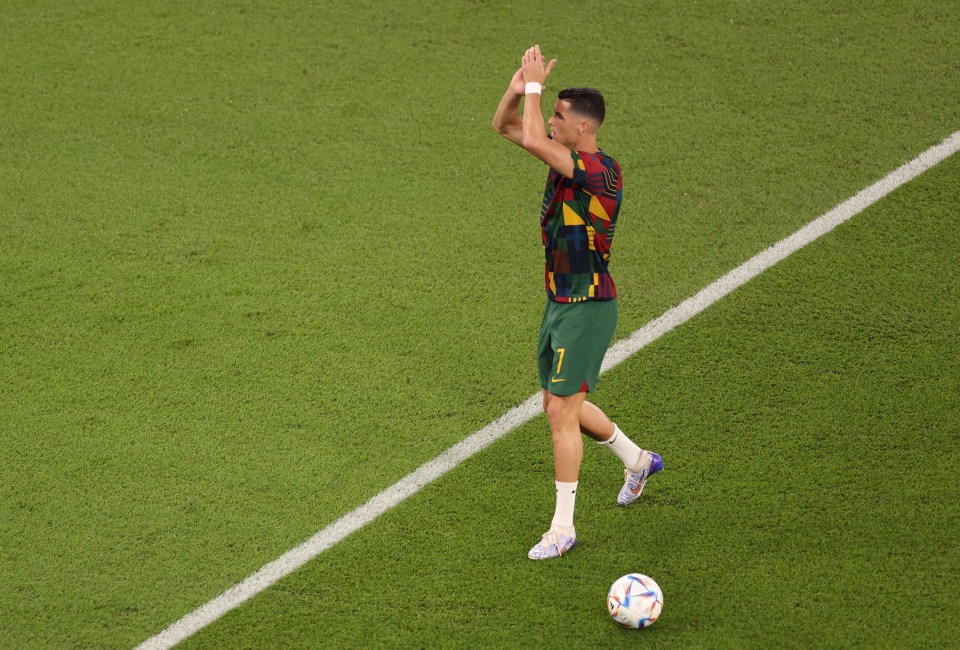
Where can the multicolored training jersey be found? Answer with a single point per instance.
(577, 220)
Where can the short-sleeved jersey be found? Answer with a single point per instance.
(577, 220)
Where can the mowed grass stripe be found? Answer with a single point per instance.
(289, 562)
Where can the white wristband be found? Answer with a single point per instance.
(533, 87)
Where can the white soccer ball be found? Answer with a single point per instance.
(635, 600)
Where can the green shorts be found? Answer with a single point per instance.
(574, 336)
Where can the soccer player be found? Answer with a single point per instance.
(577, 219)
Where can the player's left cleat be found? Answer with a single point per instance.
(634, 481)
(553, 544)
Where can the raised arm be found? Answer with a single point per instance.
(506, 121)
(535, 138)
(530, 131)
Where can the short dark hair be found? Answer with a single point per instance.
(585, 101)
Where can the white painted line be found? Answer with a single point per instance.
(430, 471)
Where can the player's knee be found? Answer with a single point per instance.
(559, 412)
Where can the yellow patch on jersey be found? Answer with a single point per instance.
(597, 208)
(571, 218)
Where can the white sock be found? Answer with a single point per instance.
(563, 515)
(625, 449)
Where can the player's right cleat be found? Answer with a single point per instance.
(553, 544)
(634, 481)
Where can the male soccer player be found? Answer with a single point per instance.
(577, 219)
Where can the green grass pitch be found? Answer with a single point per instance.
(260, 260)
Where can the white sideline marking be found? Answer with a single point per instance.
(430, 471)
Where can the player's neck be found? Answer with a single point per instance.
(587, 144)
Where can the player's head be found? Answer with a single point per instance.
(587, 102)
(579, 113)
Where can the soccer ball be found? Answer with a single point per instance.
(635, 600)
